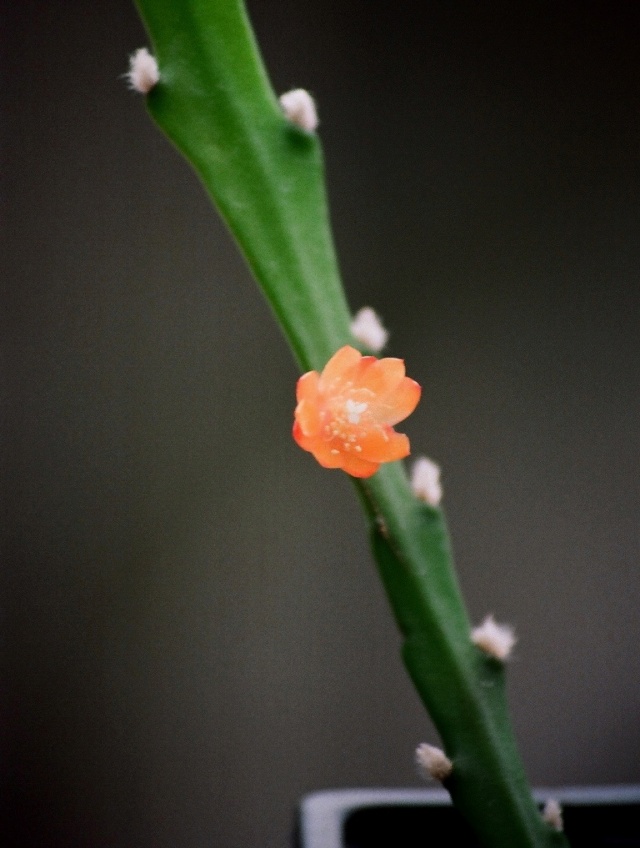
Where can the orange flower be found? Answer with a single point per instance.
(345, 415)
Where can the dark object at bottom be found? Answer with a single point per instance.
(594, 817)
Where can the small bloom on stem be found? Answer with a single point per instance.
(143, 71)
(368, 330)
(345, 415)
(494, 639)
(433, 763)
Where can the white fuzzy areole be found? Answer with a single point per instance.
(300, 108)
(494, 639)
(425, 481)
(143, 71)
(552, 814)
(433, 763)
(367, 328)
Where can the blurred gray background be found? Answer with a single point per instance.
(193, 631)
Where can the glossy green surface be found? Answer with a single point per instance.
(266, 177)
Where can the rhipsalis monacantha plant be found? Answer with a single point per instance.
(260, 160)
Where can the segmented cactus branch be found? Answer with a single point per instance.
(264, 173)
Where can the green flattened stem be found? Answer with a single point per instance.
(214, 101)
(264, 174)
(462, 688)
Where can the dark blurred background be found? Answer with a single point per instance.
(193, 631)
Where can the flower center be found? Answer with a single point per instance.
(354, 410)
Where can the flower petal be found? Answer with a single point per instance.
(354, 465)
(384, 375)
(309, 417)
(360, 375)
(338, 369)
(300, 437)
(399, 403)
(307, 386)
(327, 456)
(383, 444)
